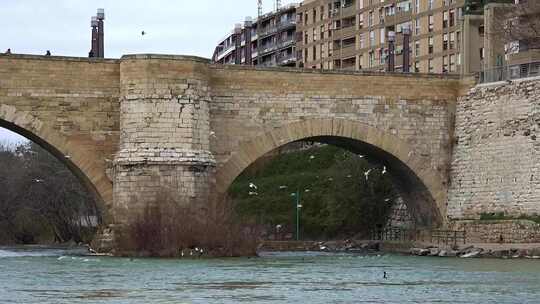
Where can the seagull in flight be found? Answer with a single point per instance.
(252, 186)
(143, 33)
(366, 174)
(384, 170)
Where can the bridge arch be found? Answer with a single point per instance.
(85, 164)
(420, 185)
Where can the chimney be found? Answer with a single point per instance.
(94, 42)
(406, 50)
(391, 51)
(101, 33)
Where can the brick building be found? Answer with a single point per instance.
(355, 34)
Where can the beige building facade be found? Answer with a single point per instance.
(354, 34)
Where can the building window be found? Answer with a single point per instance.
(417, 48)
(452, 63)
(452, 40)
(371, 59)
(314, 52)
(445, 64)
(371, 38)
(306, 38)
(482, 53)
(362, 43)
(314, 34)
(404, 6)
(322, 32)
(430, 23)
(445, 19)
(445, 42)
(452, 17)
(360, 21)
(370, 18)
(417, 26)
(382, 35)
(430, 4)
(314, 15)
(417, 6)
(306, 19)
(430, 45)
(430, 65)
(417, 67)
(329, 47)
(322, 13)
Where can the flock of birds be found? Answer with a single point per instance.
(253, 189)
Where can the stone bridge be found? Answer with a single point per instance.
(136, 127)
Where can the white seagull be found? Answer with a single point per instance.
(252, 186)
(367, 173)
(384, 170)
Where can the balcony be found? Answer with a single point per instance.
(286, 59)
(268, 48)
(267, 31)
(348, 51)
(348, 11)
(287, 24)
(286, 43)
(225, 51)
(270, 63)
(399, 17)
(345, 31)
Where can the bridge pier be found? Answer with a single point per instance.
(164, 155)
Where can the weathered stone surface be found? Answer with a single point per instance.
(496, 160)
(504, 231)
(147, 124)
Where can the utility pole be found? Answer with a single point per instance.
(298, 207)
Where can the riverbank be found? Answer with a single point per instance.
(476, 250)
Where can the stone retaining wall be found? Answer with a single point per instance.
(496, 160)
(512, 231)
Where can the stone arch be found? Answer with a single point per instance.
(87, 165)
(417, 181)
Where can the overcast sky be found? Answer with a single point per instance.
(172, 26)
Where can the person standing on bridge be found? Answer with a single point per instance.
(48, 53)
(8, 52)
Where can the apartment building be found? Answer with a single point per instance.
(358, 34)
(268, 40)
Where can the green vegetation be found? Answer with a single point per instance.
(41, 201)
(501, 216)
(337, 200)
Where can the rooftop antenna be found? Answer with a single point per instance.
(260, 7)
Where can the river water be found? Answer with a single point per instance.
(57, 276)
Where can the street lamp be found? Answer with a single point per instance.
(298, 207)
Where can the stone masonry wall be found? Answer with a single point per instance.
(164, 149)
(496, 161)
(511, 231)
(70, 106)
